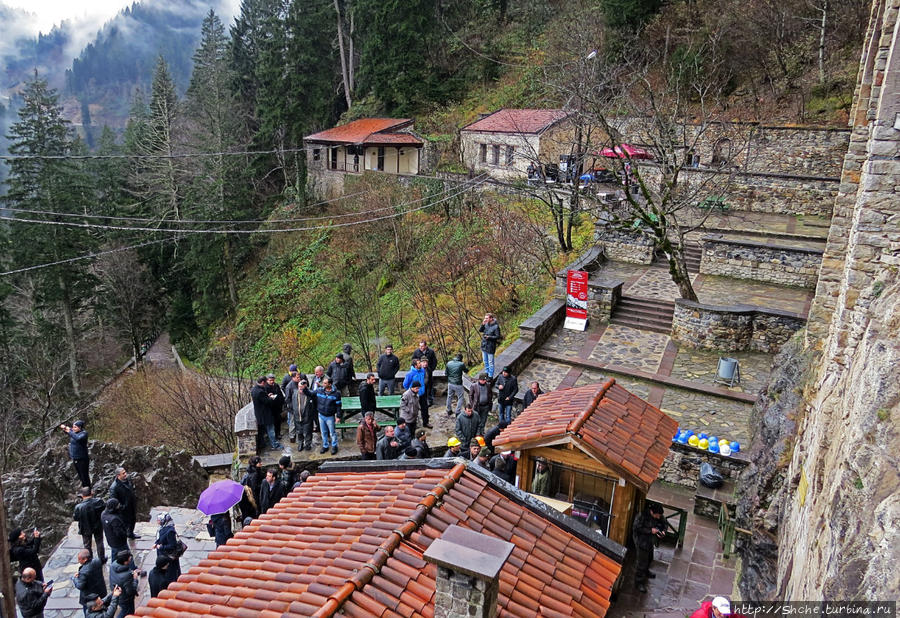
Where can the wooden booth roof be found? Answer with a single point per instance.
(351, 540)
(607, 422)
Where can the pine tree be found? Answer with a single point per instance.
(50, 185)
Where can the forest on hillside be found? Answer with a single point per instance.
(197, 221)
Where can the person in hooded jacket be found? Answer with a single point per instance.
(122, 489)
(252, 480)
(87, 514)
(114, 528)
(160, 575)
(26, 550)
(124, 574)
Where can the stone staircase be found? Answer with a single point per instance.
(644, 314)
(693, 252)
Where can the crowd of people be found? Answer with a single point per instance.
(106, 528)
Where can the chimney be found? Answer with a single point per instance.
(468, 568)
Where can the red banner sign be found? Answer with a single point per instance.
(576, 294)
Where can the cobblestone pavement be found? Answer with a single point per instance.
(63, 564)
(623, 345)
(640, 388)
(753, 222)
(716, 416)
(655, 283)
(547, 373)
(702, 365)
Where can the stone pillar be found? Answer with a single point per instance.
(468, 568)
(245, 431)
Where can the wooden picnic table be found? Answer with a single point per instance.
(389, 404)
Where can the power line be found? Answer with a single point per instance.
(184, 155)
(256, 231)
(85, 257)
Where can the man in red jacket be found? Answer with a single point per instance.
(717, 608)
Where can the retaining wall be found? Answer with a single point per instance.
(733, 328)
(760, 261)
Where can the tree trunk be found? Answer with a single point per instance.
(824, 10)
(678, 271)
(229, 275)
(69, 319)
(345, 74)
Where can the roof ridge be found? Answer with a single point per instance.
(384, 551)
(578, 422)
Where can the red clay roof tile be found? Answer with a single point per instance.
(517, 121)
(249, 575)
(359, 131)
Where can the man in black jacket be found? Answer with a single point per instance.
(32, 594)
(424, 352)
(367, 402)
(467, 424)
(270, 493)
(648, 526)
(490, 337)
(89, 578)
(122, 489)
(387, 447)
(99, 607)
(276, 403)
(262, 410)
(26, 550)
(124, 574)
(504, 466)
(78, 451)
(339, 372)
(507, 387)
(87, 514)
(481, 398)
(387, 367)
(114, 528)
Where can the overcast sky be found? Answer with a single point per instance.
(50, 12)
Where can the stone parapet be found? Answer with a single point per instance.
(733, 328)
(760, 261)
(624, 245)
(603, 296)
(682, 464)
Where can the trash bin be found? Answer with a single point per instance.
(727, 368)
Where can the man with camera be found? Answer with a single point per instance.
(649, 526)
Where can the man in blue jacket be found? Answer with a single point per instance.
(418, 372)
(328, 405)
(78, 451)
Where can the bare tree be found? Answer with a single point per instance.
(345, 27)
(131, 297)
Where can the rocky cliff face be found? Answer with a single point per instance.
(43, 495)
(761, 489)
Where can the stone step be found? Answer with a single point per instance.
(650, 313)
(656, 326)
(636, 301)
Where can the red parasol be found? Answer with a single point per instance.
(625, 151)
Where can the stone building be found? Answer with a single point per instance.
(402, 539)
(369, 144)
(503, 144)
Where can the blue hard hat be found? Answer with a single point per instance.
(735, 447)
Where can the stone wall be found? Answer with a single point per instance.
(682, 464)
(760, 261)
(839, 531)
(759, 192)
(733, 328)
(624, 245)
(757, 148)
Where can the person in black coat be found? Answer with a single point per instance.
(276, 404)
(534, 390)
(167, 543)
(340, 375)
(252, 480)
(123, 573)
(219, 527)
(89, 578)
(114, 528)
(270, 493)
(122, 489)
(26, 550)
(160, 576)
(504, 466)
(78, 451)
(32, 594)
(387, 367)
(367, 402)
(263, 414)
(87, 514)
(507, 387)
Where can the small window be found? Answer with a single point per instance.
(334, 152)
(496, 157)
(317, 154)
(510, 154)
(380, 166)
(484, 153)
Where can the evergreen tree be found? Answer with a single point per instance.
(52, 186)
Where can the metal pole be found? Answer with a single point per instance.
(8, 602)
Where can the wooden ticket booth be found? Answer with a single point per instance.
(603, 446)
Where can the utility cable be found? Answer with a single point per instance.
(85, 257)
(256, 231)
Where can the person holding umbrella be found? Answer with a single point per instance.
(216, 501)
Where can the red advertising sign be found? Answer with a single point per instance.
(576, 294)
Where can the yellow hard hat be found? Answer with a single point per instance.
(454, 441)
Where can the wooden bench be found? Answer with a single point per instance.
(343, 426)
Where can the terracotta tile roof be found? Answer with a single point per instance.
(358, 131)
(351, 540)
(618, 428)
(517, 121)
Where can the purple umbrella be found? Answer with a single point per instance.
(220, 496)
